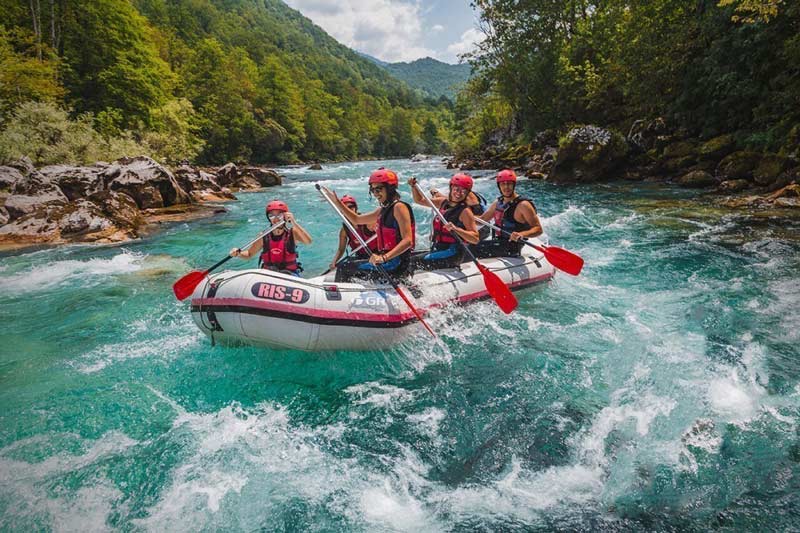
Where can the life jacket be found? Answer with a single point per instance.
(451, 213)
(279, 254)
(365, 234)
(504, 216)
(389, 229)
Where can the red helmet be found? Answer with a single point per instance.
(383, 175)
(347, 199)
(506, 175)
(277, 205)
(462, 180)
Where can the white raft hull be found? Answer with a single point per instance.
(265, 308)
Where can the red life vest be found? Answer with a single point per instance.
(279, 254)
(389, 229)
(365, 233)
(451, 213)
(504, 216)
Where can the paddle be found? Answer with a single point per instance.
(359, 247)
(187, 284)
(380, 268)
(498, 290)
(558, 257)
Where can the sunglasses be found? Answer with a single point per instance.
(377, 188)
(351, 206)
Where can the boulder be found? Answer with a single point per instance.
(75, 182)
(32, 193)
(788, 196)
(119, 207)
(738, 165)
(30, 228)
(227, 175)
(24, 165)
(317, 166)
(679, 149)
(731, 186)
(82, 217)
(4, 217)
(588, 154)
(643, 133)
(148, 183)
(201, 185)
(9, 176)
(769, 169)
(677, 165)
(697, 179)
(264, 177)
(717, 148)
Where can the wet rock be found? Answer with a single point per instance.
(416, 158)
(731, 186)
(738, 165)
(317, 166)
(697, 179)
(769, 169)
(31, 228)
(677, 165)
(119, 207)
(82, 217)
(588, 154)
(75, 182)
(788, 196)
(717, 148)
(536, 175)
(144, 180)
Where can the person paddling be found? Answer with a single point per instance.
(446, 251)
(513, 213)
(395, 229)
(278, 250)
(346, 238)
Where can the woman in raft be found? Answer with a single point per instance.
(278, 250)
(346, 237)
(395, 230)
(446, 251)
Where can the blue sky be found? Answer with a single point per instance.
(396, 30)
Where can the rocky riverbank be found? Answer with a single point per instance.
(651, 151)
(112, 202)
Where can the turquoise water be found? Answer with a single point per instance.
(657, 391)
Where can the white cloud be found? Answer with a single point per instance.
(467, 42)
(390, 30)
(437, 27)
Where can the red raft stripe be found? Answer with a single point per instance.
(354, 315)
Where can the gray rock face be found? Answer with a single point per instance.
(4, 217)
(144, 180)
(24, 165)
(201, 185)
(30, 194)
(588, 154)
(75, 182)
(83, 217)
(265, 177)
(9, 176)
(227, 174)
(317, 166)
(731, 186)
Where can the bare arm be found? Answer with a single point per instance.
(342, 245)
(250, 252)
(300, 234)
(469, 233)
(488, 215)
(368, 219)
(403, 217)
(527, 213)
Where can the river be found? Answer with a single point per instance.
(658, 390)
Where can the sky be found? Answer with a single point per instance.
(397, 30)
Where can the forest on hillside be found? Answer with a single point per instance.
(205, 80)
(709, 67)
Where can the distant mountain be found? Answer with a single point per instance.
(433, 78)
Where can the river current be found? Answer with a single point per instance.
(658, 390)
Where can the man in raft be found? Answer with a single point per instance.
(513, 213)
(346, 238)
(395, 229)
(446, 251)
(278, 250)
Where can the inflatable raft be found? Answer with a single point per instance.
(266, 308)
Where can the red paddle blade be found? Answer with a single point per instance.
(498, 290)
(187, 284)
(564, 260)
